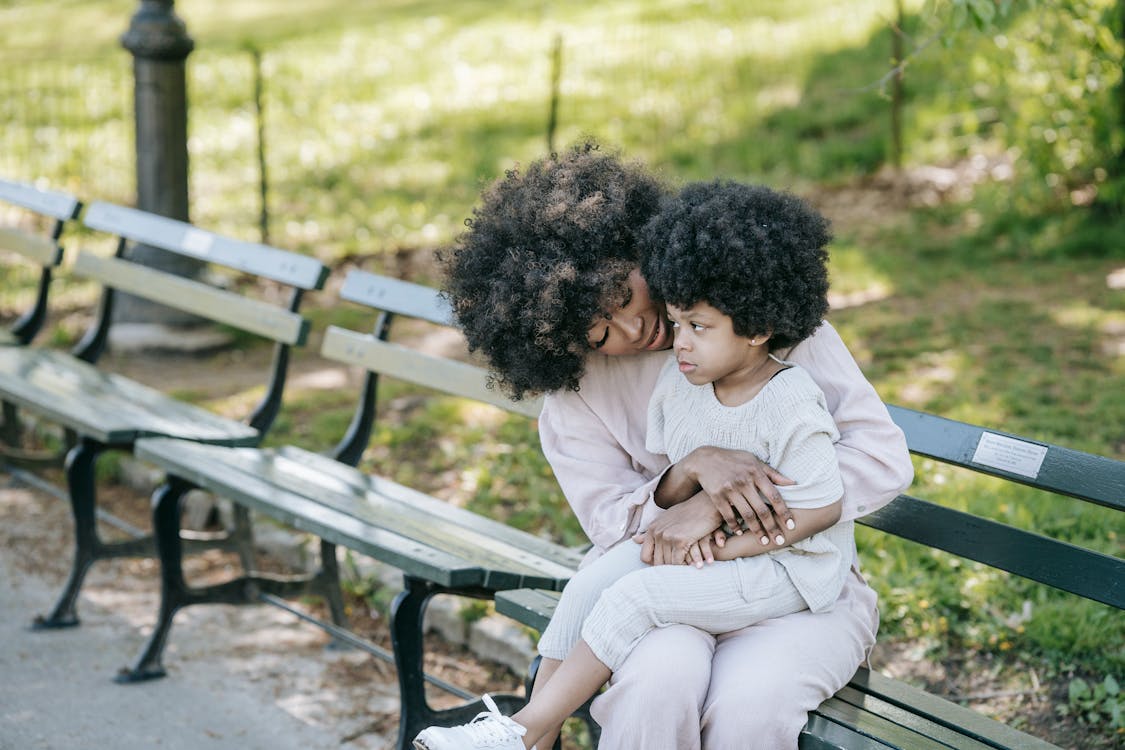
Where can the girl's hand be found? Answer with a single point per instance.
(741, 486)
(669, 539)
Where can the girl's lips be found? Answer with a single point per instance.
(686, 366)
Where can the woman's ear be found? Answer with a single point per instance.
(760, 338)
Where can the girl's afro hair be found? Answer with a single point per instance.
(546, 251)
(754, 254)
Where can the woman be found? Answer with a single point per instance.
(546, 284)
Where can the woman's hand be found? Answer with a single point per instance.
(741, 486)
(670, 538)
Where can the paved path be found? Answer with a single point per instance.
(264, 684)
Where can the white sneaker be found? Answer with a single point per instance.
(491, 729)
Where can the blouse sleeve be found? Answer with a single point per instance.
(874, 462)
(801, 448)
(607, 490)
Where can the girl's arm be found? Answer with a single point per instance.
(745, 545)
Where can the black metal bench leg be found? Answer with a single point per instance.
(407, 611)
(10, 428)
(174, 594)
(242, 536)
(328, 585)
(80, 481)
(407, 639)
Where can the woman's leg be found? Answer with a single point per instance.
(766, 678)
(655, 698)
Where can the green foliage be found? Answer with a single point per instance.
(1102, 704)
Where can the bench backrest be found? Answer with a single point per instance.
(40, 248)
(371, 351)
(1062, 471)
(280, 323)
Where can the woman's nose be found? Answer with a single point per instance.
(632, 326)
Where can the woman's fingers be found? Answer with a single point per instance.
(723, 503)
(767, 488)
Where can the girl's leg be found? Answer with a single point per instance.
(547, 668)
(766, 678)
(717, 598)
(575, 681)
(580, 596)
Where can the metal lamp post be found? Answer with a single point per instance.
(159, 43)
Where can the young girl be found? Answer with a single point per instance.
(742, 271)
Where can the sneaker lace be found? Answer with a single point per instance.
(491, 725)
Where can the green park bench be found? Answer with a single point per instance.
(440, 549)
(21, 241)
(100, 410)
(41, 249)
(874, 712)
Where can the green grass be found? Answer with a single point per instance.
(384, 119)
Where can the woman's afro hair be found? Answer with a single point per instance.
(754, 254)
(547, 250)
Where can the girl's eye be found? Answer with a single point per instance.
(696, 327)
(674, 324)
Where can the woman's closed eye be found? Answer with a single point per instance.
(601, 342)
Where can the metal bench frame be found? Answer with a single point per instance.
(103, 411)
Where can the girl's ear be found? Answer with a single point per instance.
(760, 338)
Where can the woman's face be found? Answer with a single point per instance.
(639, 325)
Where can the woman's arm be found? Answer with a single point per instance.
(874, 462)
(607, 486)
(668, 540)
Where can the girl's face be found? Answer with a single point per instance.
(639, 325)
(709, 351)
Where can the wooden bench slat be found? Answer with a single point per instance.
(262, 478)
(1065, 566)
(396, 296)
(445, 375)
(51, 203)
(352, 481)
(954, 738)
(206, 469)
(873, 725)
(106, 406)
(944, 712)
(532, 607)
(195, 297)
(37, 248)
(297, 270)
(507, 563)
(1065, 471)
(821, 733)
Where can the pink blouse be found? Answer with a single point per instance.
(594, 438)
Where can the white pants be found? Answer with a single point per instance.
(613, 602)
(683, 689)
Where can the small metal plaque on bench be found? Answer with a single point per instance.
(1008, 454)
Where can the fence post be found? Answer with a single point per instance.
(159, 43)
